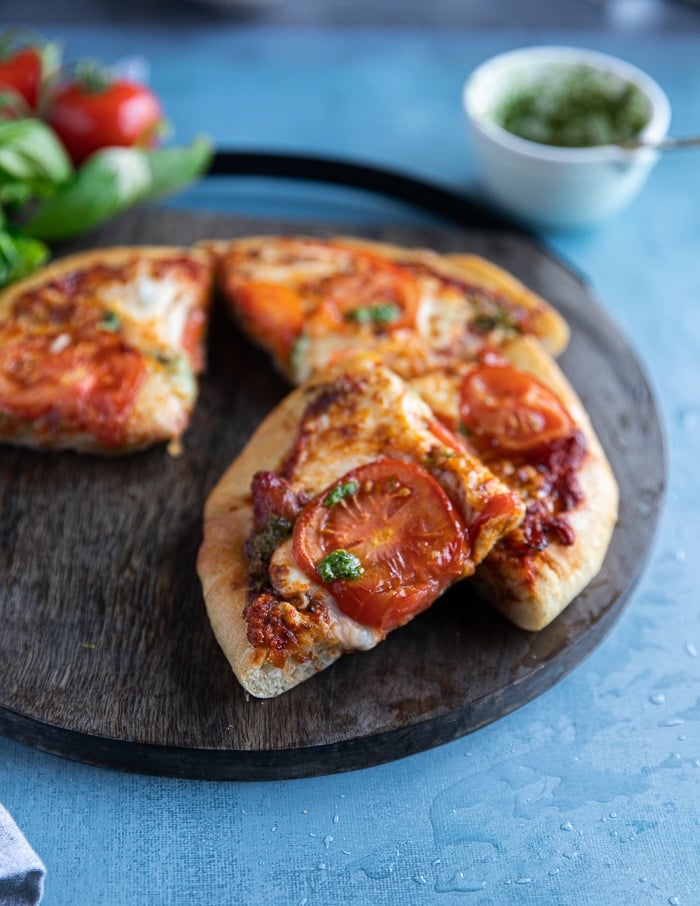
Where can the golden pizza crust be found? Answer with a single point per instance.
(221, 562)
(161, 408)
(339, 436)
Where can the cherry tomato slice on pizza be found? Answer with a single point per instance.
(84, 383)
(374, 292)
(396, 530)
(272, 312)
(507, 410)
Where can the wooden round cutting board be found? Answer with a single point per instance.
(106, 655)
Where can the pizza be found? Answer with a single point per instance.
(515, 410)
(309, 302)
(100, 351)
(348, 512)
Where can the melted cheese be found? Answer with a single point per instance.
(376, 416)
(294, 586)
(441, 392)
(155, 307)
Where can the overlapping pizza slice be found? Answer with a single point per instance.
(515, 409)
(309, 302)
(99, 351)
(350, 510)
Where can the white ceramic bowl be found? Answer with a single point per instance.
(546, 185)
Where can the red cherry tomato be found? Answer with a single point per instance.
(120, 113)
(403, 530)
(21, 71)
(507, 410)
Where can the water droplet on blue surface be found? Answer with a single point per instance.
(327, 840)
(658, 698)
(459, 884)
(566, 826)
(691, 649)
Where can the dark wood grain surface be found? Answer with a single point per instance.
(106, 655)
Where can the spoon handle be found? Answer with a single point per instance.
(666, 144)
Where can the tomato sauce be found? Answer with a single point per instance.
(558, 491)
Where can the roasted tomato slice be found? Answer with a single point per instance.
(374, 292)
(81, 383)
(393, 537)
(506, 410)
(272, 312)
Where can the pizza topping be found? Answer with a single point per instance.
(490, 312)
(497, 318)
(340, 564)
(271, 312)
(81, 382)
(372, 291)
(339, 492)
(506, 410)
(400, 529)
(281, 629)
(110, 322)
(260, 547)
(549, 481)
(274, 496)
(381, 313)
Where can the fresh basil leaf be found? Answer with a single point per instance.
(173, 168)
(109, 181)
(382, 313)
(30, 152)
(19, 255)
(112, 180)
(15, 194)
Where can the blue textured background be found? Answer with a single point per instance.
(591, 793)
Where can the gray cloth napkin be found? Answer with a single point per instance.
(21, 870)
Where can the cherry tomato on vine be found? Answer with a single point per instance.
(21, 71)
(89, 114)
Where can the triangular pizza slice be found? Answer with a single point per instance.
(515, 409)
(309, 302)
(100, 351)
(350, 510)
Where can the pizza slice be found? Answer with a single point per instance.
(350, 510)
(515, 409)
(309, 302)
(99, 351)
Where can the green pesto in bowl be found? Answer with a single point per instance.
(574, 107)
